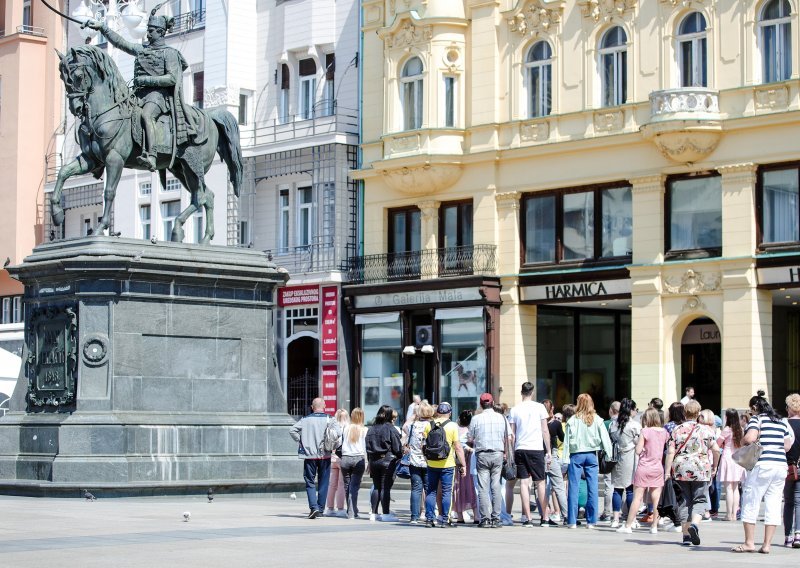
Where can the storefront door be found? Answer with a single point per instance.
(701, 363)
(420, 368)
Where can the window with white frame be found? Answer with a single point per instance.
(614, 67)
(27, 15)
(692, 51)
(244, 233)
(199, 230)
(329, 93)
(308, 88)
(283, 220)
(449, 101)
(169, 211)
(145, 188)
(283, 98)
(305, 216)
(173, 185)
(16, 310)
(144, 221)
(776, 41)
(539, 79)
(411, 81)
(6, 311)
(243, 100)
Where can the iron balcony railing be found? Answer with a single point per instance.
(420, 264)
(321, 256)
(324, 119)
(189, 21)
(31, 30)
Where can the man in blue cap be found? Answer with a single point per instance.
(443, 452)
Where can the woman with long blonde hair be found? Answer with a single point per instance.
(584, 437)
(354, 454)
(336, 482)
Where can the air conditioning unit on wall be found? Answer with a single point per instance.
(423, 335)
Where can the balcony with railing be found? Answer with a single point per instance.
(685, 123)
(421, 264)
(31, 30)
(314, 258)
(188, 22)
(325, 118)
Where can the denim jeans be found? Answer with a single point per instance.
(582, 463)
(352, 471)
(490, 485)
(616, 499)
(382, 473)
(418, 475)
(435, 476)
(316, 475)
(713, 494)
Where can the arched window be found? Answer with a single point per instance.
(692, 51)
(776, 40)
(411, 85)
(614, 67)
(539, 79)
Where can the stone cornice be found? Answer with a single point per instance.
(507, 199)
(746, 169)
(647, 184)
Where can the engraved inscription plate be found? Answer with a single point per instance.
(52, 362)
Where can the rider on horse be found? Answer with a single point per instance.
(158, 82)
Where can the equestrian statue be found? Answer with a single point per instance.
(150, 128)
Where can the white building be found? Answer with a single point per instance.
(288, 69)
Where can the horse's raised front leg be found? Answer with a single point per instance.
(207, 201)
(114, 166)
(78, 166)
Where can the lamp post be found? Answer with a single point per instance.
(118, 15)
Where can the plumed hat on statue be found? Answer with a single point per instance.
(163, 22)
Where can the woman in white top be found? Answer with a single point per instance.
(354, 454)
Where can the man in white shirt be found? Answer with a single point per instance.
(528, 421)
(688, 395)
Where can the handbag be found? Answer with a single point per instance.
(792, 474)
(403, 470)
(670, 501)
(605, 462)
(509, 466)
(748, 456)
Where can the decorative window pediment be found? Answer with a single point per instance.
(405, 33)
(535, 17)
(605, 10)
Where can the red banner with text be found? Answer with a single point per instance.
(330, 323)
(330, 375)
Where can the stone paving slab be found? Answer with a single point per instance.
(273, 531)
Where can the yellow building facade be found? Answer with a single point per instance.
(596, 195)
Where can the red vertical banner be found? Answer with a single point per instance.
(330, 375)
(330, 323)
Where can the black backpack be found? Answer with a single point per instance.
(436, 446)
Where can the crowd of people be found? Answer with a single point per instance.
(464, 470)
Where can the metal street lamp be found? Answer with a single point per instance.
(117, 14)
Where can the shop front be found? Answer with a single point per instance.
(583, 335)
(426, 338)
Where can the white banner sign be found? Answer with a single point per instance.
(576, 290)
(419, 297)
(789, 275)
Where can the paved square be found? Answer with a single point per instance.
(258, 531)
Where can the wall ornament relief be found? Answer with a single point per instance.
(692, 282)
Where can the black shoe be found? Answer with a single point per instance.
(314, 514)
(694, 534)
(527, 524)
(687, 540)
(548, 523)
(449, 525)
(430, 524)
(497, 524)
(485, 524)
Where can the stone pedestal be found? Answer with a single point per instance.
(148, 367)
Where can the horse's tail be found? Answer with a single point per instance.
(228, 146)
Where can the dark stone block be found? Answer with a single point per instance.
(166, 394)
(142, 317)
(99, 287)
(127, 393)
(39, 440)
(210, 395)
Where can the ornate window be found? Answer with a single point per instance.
(614, 67)
(411, 85)
(539, 79)
(776, 41)
(692, 51)
(308, 88)
(449, 101)
(305, 216)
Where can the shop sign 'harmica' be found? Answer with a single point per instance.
(565, 292)
(52, 357)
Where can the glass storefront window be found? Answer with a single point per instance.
(617, 222)
(781, 222)
(597, 355)
(540, 242)
(578, 225)
(463, 363)
(381, 371)
(555, 357)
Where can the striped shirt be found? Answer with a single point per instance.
(771, 437)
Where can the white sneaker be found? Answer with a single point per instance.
(329, 513)
(591, 527)
(390, 518)
(663, 521)
(636, 525)
(625, 529)
(614, 524)
(341, 513)
(572, 527)
(373, 517)
(653, 530)
(676, 528)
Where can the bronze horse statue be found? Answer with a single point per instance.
(109, 140)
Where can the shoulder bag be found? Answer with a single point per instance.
(748, 456)
(605, 462)
(403, 470)
(509, 466)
